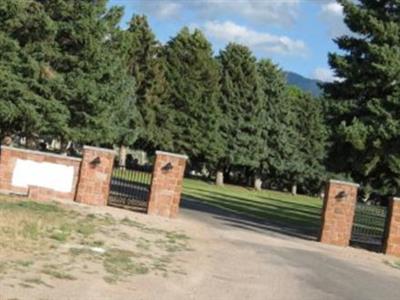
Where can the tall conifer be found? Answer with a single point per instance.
(193, 76)
(365, 103)
(29, 86)
(143, 54)
(243, 108)
(272, 84)
(95, 84)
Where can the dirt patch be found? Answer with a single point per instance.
(44, 246)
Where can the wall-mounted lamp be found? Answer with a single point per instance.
(341, 196)
(167, 167)
(95, 162)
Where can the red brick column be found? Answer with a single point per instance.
(338, 213)
(95, 176)
(392, 243)
(7, 162)
(166, 184)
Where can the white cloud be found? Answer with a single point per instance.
(332, 14)
(332, 8)
(258, 41)
(323, 74)
(162, 9)
(262, 12)
(169, 10)
(280, 12)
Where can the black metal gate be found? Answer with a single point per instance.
(369, 226)
(130, 187)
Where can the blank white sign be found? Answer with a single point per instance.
(48, 175)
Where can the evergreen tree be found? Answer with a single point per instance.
(295, 133)
(127, 114)
(365, 106)
(96, 85)
(61, 75)
(243, 108)
(193, 76)
(273, 85)
(306, 143)
(29, 106)
(143, 58)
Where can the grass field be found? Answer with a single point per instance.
(300, 211)
(276, 207)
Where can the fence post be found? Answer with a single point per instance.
(95, 175)
(338, 212)
(166, 184)
(392, 239)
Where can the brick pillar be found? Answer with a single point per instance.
(392, 242)
(95, 176)
(338, 212)
(7, 162)
(166, 184)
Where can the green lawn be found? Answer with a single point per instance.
(299, 211)
(133, 176)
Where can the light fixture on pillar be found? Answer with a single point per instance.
(167, 167)
(341, 196)
(95, 162)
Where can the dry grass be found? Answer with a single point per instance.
(394, 264)
(44, 242)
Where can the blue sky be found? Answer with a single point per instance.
(296, 34)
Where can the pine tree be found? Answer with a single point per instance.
(365, 103)
(306, 145)
(96, 86)
(243, 110)
(61, 74)
(273, 85)
(29, 106)
(193, 76)
(145, 63)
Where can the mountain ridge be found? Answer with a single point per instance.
(304, 83)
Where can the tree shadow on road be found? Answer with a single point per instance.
(290, 222)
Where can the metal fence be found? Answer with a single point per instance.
(369, 226)
(130, 187)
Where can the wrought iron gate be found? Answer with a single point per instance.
(369, 226)
(130, 187)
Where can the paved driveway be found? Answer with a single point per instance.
(244, 259)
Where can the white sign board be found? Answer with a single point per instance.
(48, 175)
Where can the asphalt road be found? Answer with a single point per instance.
(249, 259)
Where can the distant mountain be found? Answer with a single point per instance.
(306, 84)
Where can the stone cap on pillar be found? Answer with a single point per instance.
(396, 198)
(100, 149)
(40, 153)
(172, 154)
(344, 182)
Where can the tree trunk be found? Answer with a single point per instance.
(219, 178)
(7, 140)
(122, 156)
(227, 174)
(31, 143)
(294, 189)
(257, 183)
(322, 193)
(249, 177)
(64, 146)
